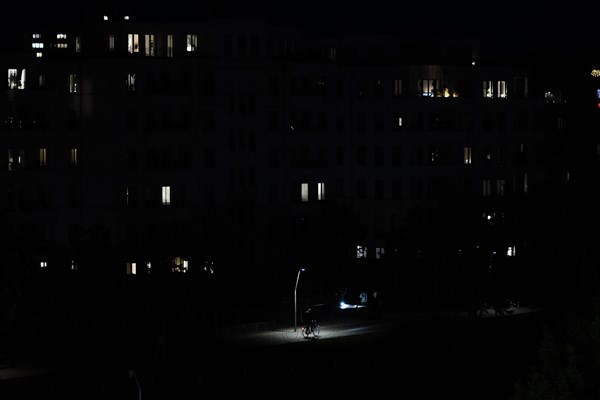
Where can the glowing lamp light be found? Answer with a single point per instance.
(106, 17)
(595, 73)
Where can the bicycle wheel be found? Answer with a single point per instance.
(305, 332)
(316, 330)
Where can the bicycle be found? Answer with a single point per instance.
(311, 329)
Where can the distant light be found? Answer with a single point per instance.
(127, 18)
(302, 270)
(595, 73)
(489, 217)
(473, 62)
(106, 17)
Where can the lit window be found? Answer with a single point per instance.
(399, 121)
(179, 264)
(166, 195)
(42, 81)
(37, 36)
(111, 42)
(11, 159)
(321, 191)
(397, 87)
(149, 45)
(502, 91)
(467, 155)
(16, 78)
(73, 83)
(331, 53)
(487, 187)
(73, 157)
(37, 45)
(488, 89)
(500, 186)
(61, 45)
(77, 44)
(38, 54)
(43, 157)
(131, 82)
(361, 251)
(73, 265)
(192, 42)
(106, 17)
(61, 35)
(430, 87)
(126, 18)
(131, 268)
(133, 43)
(379, 252)
(169, 45)
(511, 251)
(43, 264)
(304, 191)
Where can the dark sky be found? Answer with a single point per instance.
(566, 23)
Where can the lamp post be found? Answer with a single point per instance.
(296, 299)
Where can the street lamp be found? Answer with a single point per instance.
(296, 298)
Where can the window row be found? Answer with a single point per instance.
(412, 189)
(18, 158)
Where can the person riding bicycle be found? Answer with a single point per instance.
(309, 319)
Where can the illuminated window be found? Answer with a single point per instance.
(131, 268)
(16, 78)
(179, 264)
(42, 81)
(501, 90)
(73, 83)
(488, 89)
(131, 82)
(126, 17)
(321, 191)
(133, 43)
(487, 187)
(37, 36)
(11, 159)
(73, 265)
(166, 195)
(61, 35)
(43, 264)
(500, 186)
(43, 157)
(430, 87)
(37, 45)
(331, 53)
(511, 251)
(169, 45)
(192, 42)
(111, 42)
(38, 54)
(467, 155)
(379, 252)
(361, 251)
(61, 45)
(149, 45)
(73, 157)
(304, 191)
(106, 18)
(397, 87)
(77, 44)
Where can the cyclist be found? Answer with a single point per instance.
(309, 320)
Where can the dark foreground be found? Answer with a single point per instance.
(437, 359)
